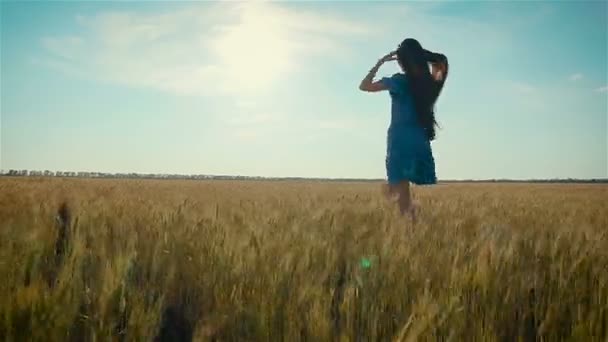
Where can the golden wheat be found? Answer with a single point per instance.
(139, 260)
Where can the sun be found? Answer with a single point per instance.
(255, 52)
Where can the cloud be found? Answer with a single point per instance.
(336, 124)
(203, 49)
(65, 47)
(576, 77)
(603, 89)
(245, 104)
(522, 87)
(252, 119)
(247, 135)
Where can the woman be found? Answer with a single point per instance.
(413, 94)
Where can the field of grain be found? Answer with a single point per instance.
(143, 260)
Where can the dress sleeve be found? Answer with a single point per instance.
(392, 83)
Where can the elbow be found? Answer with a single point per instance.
(362, 87)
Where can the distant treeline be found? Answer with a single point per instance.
(568, 180)
(71, 174)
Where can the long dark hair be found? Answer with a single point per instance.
(425, 90)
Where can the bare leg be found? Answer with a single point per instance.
(390, 191)
(404, 197)
(406, 204)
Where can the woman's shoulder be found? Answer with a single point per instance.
(397, 83)
(399, 76)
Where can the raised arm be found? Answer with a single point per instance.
(368, 84)
(438, 71)
(439, 65)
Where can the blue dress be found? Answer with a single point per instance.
(408, 151)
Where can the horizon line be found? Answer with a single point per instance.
(97, 174)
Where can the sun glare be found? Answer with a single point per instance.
(254, 52)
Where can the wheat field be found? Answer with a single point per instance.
(170, 260)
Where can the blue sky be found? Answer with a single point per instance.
(270, 88)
